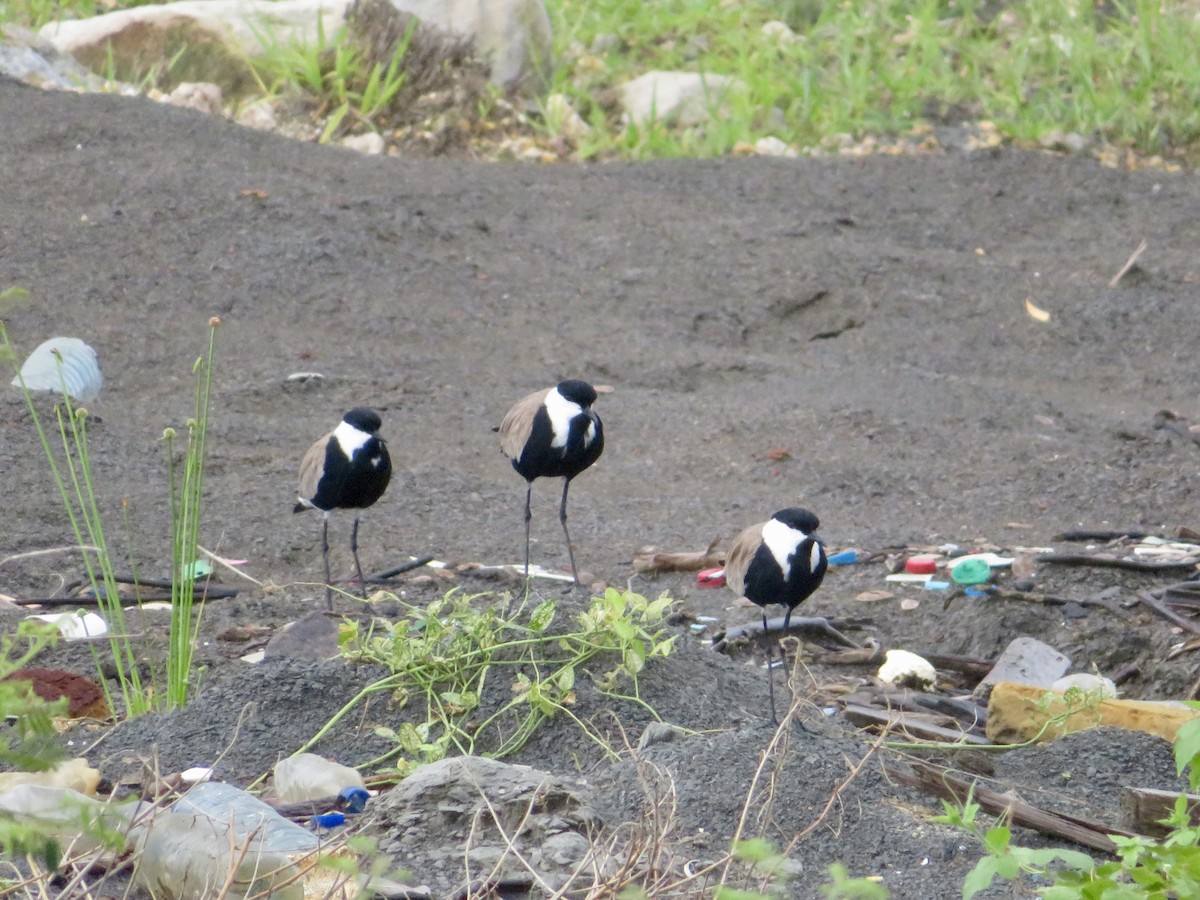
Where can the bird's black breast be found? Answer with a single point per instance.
(353, 483)
(539, 459)
(764, 582)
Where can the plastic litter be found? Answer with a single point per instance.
(711, 578)
(307, 776)
(76, 626)
(970, 570)
(1087, 682)
(907, 578)
(920, 565)
(328, 820)
(62, 811)
(932, 585)
(844, 558)
(354, 799)
(80, 370)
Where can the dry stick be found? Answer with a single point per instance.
(1141, 248)
(1171, 616)
(1113, 562)
(31, 554)
(941, 783)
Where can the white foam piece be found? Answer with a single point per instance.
(80, 369)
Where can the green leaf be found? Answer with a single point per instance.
(1187, 747)
(997, 839)
(542, 616)
(980, 877)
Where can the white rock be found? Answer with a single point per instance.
(370, 143)
(514, 36)
(904, 668)
(567, 123)
(1088, 683)
(199, 95)
(684, 97)
(259, 115)
(773, 146)
(778, 31)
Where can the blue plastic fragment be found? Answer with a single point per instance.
(329, 820)
(932, 585)
(845, 558)
(975, 592)
(354, 799)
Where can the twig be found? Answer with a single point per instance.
(942, 783)
(1129, 263)
(400, 569)
(31, 554)
(1168, 614)
(221, 561)
(1116, 562)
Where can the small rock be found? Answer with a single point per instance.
(259, 115)
(773, 146)
(567, 123)
(1027, 661)
(1088, 683)
(370, 143)
(688, 98)
(778, 31)
(313, 636)
(658, 733)
(202, 96)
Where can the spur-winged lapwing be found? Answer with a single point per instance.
(553, 433)
(778, 561)
(349, 468)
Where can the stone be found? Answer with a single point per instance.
(370, 143)
(479, 805)
(778, 31)
(773, 146)
(672, 97)
(215, 37)
(30, 58)
(1029, 661)
(202, 96)
(567, 123)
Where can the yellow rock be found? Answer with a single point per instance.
(1020, 712)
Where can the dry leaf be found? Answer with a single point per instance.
(1036, 313)
(909, 603)
(868, 596)
(779, 454)
(1024, 566)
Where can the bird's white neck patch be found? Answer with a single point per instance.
(782, 540)
(561, 411)
(349, 438)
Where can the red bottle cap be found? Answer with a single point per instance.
(920, 565)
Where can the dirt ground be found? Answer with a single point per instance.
(847, 334)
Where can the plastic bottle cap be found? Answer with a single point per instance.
(971, 571)
(920, 565)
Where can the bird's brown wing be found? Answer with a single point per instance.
(518, 423)
(310, 468)
(741, 552)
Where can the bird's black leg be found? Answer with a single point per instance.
(770, 674)
(325, 556)
(562, 517)
(362, 584)
(528, 516)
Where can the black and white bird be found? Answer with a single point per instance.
(349, 468)
(553, 433)
(777, 561)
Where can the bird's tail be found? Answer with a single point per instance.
(299, 507)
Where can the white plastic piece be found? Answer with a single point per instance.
(1088, 683)
(992, 559)
(307, 776)
(80, 370)
(907, 669)
(196, 774)
(74, 626)
(908, 578)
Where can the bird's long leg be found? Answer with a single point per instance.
(528, 516)
(325, 556)
(562, 517)
(362, 584)
(770, 663)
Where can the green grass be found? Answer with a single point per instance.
(1125, 77)
(1121, 74)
